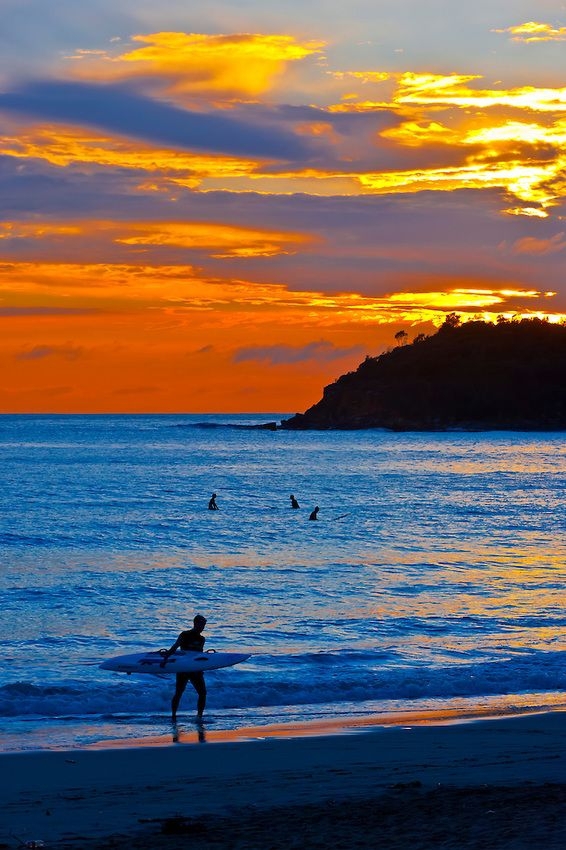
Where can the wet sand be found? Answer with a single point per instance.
(491, 783)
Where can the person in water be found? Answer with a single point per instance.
(314, 513)
(212, 506)
(192, 640)
(294, 503)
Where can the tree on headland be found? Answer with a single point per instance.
(451, 321)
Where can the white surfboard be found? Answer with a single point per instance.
(179, 662)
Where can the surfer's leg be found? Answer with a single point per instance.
(181, 683)
(197, 681)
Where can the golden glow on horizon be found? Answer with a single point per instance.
(459, 298)
(156, 338)
(116, 287)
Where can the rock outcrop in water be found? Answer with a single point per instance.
(475, 376)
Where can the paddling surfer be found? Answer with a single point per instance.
(193, 641)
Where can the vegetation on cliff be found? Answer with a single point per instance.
(477, 375)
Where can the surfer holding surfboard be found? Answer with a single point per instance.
(191, 640)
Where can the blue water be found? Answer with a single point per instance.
(434, 576)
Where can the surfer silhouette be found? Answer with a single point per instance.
(314, 513)
(192, 640)
(212, 506)
(294, 503)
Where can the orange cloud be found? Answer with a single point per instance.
(530, 245)
(534, 31)
(68, 146)
(188, 64)
(27, 230)
(220, 240)
(525, 182)
(495, 157)
(453, 90)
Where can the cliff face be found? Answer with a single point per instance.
(475, 376)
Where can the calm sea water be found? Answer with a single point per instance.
(434, 576)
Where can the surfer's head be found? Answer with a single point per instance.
(199, 622)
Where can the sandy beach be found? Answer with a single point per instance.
(488, 783)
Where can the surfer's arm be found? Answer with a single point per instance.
(173, 649)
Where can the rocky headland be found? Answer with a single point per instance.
(473, 376)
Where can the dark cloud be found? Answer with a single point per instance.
(321, 351)
(39, 352)
(346, 123)
(120, 110)
(36, 187)
(379, 244)
(355, 144)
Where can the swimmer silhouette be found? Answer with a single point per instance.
(314, 513)
(294, 503)
(212, 506)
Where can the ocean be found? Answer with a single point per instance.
(433, 578)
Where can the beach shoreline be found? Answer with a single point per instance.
(189, 731)
(305, 780)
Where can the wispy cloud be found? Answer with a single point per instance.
(277, 355)
(532, 245)
(220, 240)
(40, 352)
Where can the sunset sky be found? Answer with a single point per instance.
(222, 206)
